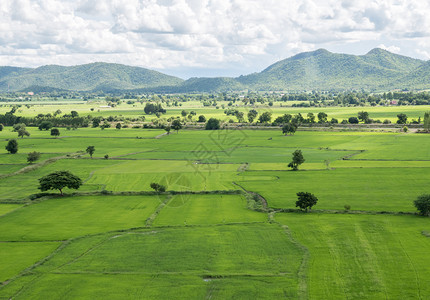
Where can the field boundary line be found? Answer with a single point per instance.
(154, 215)
(254, 195)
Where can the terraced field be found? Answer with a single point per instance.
(222, 229)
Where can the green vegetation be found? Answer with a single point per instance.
(423, 204)
(306, 200)
(317, 70)
(59, 180)
(362, 256)
(33, 156)
(12, 146)
(298, 159)
(90, 150)
(226, 224)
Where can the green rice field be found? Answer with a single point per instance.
(227, 226)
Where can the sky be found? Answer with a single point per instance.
(205, 38)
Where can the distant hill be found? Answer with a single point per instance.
(89, 77)
(316, 70)
(323, 70)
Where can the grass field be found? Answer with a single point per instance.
(206, 242)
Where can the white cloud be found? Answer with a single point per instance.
(393, 49)
(217, 34)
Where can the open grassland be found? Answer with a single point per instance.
(202, 239)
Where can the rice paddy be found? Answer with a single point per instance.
(226, 227)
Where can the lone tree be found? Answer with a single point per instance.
(33, 156)
(157, 187)
(12, 146)
(90, 150)
(55, 132)
(23, 132)
(306, 200)
(297, 160)
(45, 125)
(212, 124)
(176, 125)
(289, 128)
(59, 180)
(423, 204)
(201, 119)
(402, 118)
(118, 126)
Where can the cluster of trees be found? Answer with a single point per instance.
(154, 108)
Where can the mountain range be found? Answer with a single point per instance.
(378, 70)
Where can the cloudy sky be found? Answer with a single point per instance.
(190, 38)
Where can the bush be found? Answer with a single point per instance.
(423, 204)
